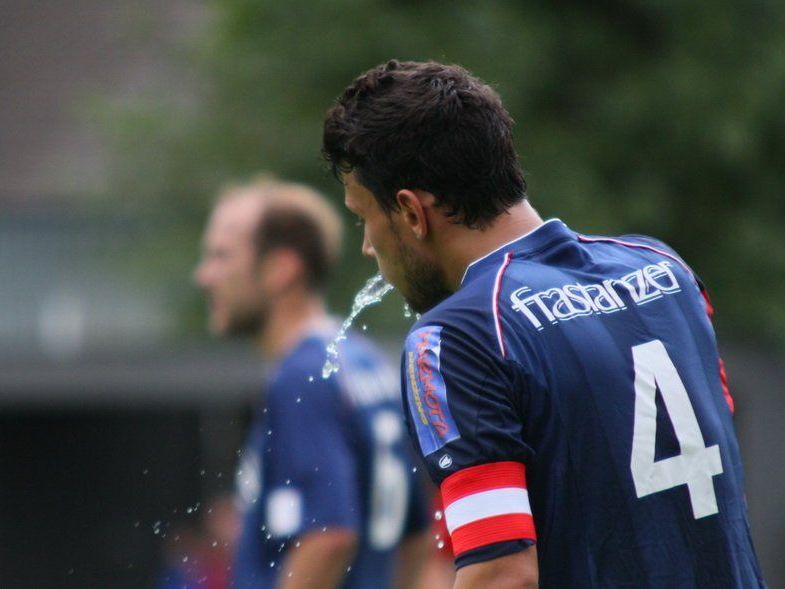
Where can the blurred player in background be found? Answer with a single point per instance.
(565, 391)
(327, 488)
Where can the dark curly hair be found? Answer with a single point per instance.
(431, 127)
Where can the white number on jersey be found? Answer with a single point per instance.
(389, 495)
(696, 464)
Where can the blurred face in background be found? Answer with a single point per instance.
(230, 273)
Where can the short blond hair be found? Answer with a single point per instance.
(297, 217)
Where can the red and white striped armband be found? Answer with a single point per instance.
(487, 504)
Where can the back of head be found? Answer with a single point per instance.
(431, 127)
(295, 217)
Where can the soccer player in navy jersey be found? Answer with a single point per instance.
(564, 390)
(326, 486)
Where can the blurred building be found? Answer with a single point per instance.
(112, 429)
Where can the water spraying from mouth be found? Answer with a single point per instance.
(370, 294)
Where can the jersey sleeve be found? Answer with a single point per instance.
(311, 474)
(466, 424)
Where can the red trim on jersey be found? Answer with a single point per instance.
(725, 388)
(497, 288)
(485, 477)
(501, 528)
(707, 301)
(723, 373)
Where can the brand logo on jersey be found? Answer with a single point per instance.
(445, 462)
(552, 305)
(427, 393)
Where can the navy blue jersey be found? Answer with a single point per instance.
(327, 454)
(570, 394)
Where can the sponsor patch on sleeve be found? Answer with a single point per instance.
(426, 391)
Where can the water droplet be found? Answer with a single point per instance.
(310, 379)
(299, 399)
(202, 472)
(349, 569)
(215, 543)
(145, 471)
(272, 563)
(364, 327)
(370, 294)
(440, 544)
(414, 469)
(269, 432)
(297, 544)
(438, 516)
(407, 311)
(136, 524)
(185, 559)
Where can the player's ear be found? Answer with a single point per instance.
(413, 209)
(280, 269)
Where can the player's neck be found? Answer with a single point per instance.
(290, 320)
(468, 245)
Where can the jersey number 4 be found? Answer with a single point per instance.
(696, 464)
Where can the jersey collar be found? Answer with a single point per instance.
(549, 231)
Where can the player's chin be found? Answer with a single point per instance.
(417, 303)
(423, 300)
(420, 307)
(387, 275)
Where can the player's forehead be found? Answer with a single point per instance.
(234, 219)
(356, 197)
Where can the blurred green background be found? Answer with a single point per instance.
(121, 120)
(662, 118)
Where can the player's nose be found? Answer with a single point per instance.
(367, 248)
(200, 275)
